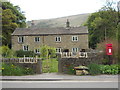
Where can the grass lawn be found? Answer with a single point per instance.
(50, 65)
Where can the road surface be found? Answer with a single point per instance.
(59, 84)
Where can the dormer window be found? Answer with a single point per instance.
(74, 38)
(58, 39)
(20, 39)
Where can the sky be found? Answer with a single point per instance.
(47, 9)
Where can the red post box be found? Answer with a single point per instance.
(109, 49)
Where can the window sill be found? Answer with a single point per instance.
(58, 42)
(74, 41)
(20, 42)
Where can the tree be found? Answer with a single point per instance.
(102, 25)
(12, 18)
(6, 52)
(47, 52)
(44, 51)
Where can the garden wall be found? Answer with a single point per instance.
(65, 64)
(36, 65)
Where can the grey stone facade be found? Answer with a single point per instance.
(48, 36)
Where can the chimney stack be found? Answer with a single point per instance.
(32, 23)
(67, 24)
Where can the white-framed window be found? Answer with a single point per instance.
(20, 39)
(37, 39)
(75, 49)
(74, 38)
(58, 39)
(25, 48)
(58, 50)
(37, 51)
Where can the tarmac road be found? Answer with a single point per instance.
(59, 84)
(55, 80)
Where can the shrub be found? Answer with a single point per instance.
(11, 69)
(94, 69)
(105, 61)
(5, 51)
(44, 51)
(71, 70)
(52, 52)
(21, 53)
(110, 69)
(47, 51)
(28, 71)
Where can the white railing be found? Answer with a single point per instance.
(28, 60)
(20, 60)
(74, 55)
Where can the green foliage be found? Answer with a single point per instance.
(105, 61)
(118, 34)
(13, 70)
(71, 70)
(110, 69)
(44, 51)
(6, 52)
(50, 65)
(47, 52)
(99, 22)
(28, 71)
(52, 52)
(115, 55)
(12, 18)
(21, 53)
(94, 69)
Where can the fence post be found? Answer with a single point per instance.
(39, 66)
(59, 63)
(36, 59)
(24, 58)
(86, 55)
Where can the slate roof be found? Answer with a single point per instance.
(50, 31)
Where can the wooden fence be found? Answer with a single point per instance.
(21, 60)
(74, 55)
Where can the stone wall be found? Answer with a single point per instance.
(65, 64)
(36, 66)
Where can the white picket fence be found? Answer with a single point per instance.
(74, 55)
(28, 60)
(21, 60)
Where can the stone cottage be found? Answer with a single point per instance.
(64, 39)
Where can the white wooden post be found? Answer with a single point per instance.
(60, 54)
(36, 59)
(24, 58)
(86, 55)
(29, 60)
(79, 54)
(66, 54)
